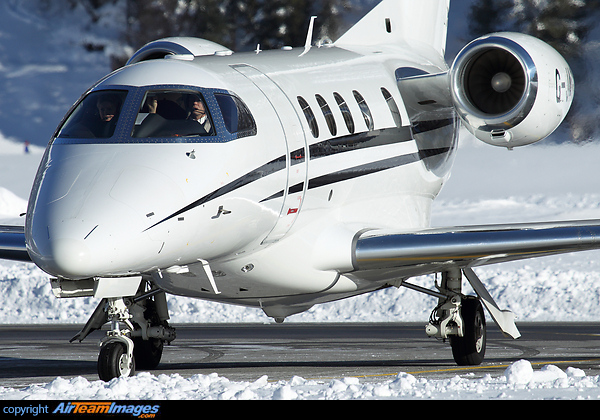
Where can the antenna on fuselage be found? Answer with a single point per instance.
(309, 36)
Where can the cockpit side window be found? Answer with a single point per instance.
(173, 113)
(96, 116)
(236, 115)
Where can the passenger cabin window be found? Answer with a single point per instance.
(237, 116)
(364, 108)
(345, 112)
(327, 114)
(173, 113)
(96, 116)
(393, 107)
(310, 116)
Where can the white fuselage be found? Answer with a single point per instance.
(263, 211)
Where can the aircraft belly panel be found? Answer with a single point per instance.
(241, 279)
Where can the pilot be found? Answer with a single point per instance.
(197, 110)
(152, 104)
(108, 110)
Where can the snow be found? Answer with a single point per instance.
(489, 185)
(519, 381)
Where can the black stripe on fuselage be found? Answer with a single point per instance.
(320, 150)
(275, 165)
(361, 170)
(371, 168)
(420, 127)
(347, 144)
(360, 141)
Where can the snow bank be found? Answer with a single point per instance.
(18, 160)
(520, 381)
(10, 204)
(17, 172)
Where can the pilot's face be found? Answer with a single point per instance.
(107, 110)
(198, 110)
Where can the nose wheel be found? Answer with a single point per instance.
(114, 361)
(138, 331)
(116, 349)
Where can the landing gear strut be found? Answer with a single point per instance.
(138, 331)
(461, 318)
(116, 349)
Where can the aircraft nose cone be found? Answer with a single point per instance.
(71, 258)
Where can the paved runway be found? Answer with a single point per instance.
(375, 352)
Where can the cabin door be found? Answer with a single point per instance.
(296, 160)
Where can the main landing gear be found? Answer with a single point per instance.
(138, 331)
(464, 324)
(461, 318)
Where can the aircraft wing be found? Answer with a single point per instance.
(435, 250)
(12, 243)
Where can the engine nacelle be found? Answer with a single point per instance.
(511, 89)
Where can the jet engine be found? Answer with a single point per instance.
(511, 89)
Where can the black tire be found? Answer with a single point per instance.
(470, 349)
(113, 363)
(147, 353)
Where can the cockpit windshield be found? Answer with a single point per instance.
(157, 114)
(96, 116)
(173, 113)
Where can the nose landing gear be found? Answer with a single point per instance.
(138, 331)
(140, 342)
(116, 349)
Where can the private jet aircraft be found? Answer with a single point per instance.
(287, 178)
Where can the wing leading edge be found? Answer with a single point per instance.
(435, 250)
(12, 244)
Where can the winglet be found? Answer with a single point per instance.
(400, 21)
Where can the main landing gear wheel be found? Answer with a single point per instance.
(469, 350)
(113, 361)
